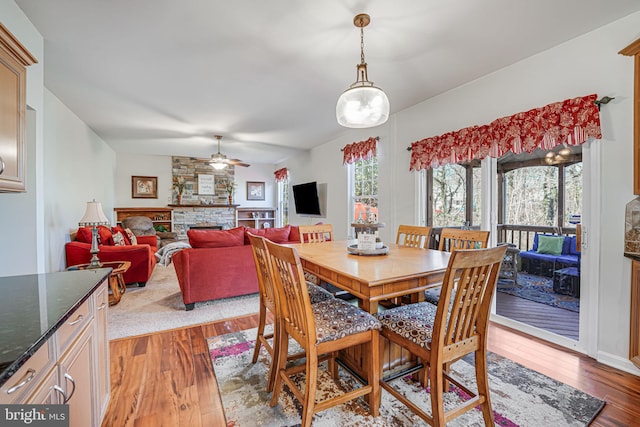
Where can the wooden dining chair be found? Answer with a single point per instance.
(269, 303)
(452, 239)
(316, 233)
(313, 327)
(413, 236)
(456, 238)
(440, 335)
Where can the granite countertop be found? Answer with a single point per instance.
(33, 307)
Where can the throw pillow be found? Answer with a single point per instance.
(118, 229)
(131, 236)
(83, 235)
(278, 235)
(216, 238)
(105, 236)
(118, 239)
(551, 245)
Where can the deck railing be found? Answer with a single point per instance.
(519, 235)
(522, 235)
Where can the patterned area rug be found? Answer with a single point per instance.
(159, 307)
(538, 289)
(520, 397)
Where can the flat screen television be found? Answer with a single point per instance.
(306, 200)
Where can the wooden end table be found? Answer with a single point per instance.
(116, 278)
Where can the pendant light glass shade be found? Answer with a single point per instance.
(363, 104)
(362, 107)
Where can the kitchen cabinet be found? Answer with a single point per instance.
(14, 58)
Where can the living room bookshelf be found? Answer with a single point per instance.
(159, 216)
(256, 217)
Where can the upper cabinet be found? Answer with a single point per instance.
(14, 59)
(634, 50)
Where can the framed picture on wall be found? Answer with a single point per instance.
(144, 187)
(255, 190)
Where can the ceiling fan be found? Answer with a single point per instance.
(219, 161)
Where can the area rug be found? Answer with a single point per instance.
(158, 306)
(538, 289)
(520, 396)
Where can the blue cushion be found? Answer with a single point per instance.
(538, 256)
(568, 260)
(573, 249)
(568, 246)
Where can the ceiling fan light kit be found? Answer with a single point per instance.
(219, 161)
(363, 104)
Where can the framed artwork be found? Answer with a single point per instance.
(255, 190)
(206, 184)
(144, 187)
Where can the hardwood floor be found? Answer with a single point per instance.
(557, 320)
(166, 378)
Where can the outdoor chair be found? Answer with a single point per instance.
(269, 302)
(440, 335)
(312, 326)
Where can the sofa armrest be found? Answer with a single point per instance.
(148, 240)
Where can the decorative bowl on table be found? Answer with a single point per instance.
(353, 249)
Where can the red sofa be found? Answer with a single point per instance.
(220, 264)
(141, 255)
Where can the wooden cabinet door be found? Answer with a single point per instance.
(102, 383)
(76, 368)
(48, 392)
(13, 102)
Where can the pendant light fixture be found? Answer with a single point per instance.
(363, 104)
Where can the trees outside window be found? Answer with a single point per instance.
(454, 196)
(283, 203)
(364, 186)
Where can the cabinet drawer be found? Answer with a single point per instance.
(72, 327)
(27, 377)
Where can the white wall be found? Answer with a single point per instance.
(128, 165)
(21, 219)
(79, 167)
(258, 173)
(587, 64)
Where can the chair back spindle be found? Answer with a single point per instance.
(413, 236)
(316, 233)
(293, 293)
(453, 239)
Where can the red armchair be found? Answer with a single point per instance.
(141, 256)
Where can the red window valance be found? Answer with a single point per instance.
(570, 122)
(359, 150)
(281, 174)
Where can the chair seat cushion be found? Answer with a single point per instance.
(318, 294)
(413, 322)
(337, 319)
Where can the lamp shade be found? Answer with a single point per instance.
(362, 107)
(94, 215)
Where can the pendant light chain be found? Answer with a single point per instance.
(361, 44)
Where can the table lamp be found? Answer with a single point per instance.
(93, 217)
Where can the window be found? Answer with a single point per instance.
(283, 203)
(572, 192)
(364, 188)
(454, 196)
(532, 196)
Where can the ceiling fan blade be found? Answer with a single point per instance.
(238, 162)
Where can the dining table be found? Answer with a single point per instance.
(375, 278)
